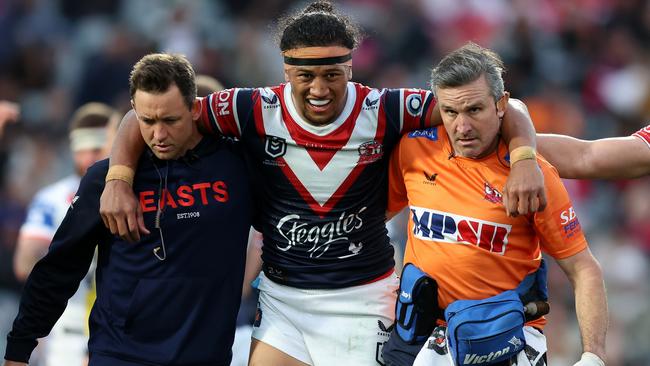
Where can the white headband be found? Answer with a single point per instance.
(87, 138)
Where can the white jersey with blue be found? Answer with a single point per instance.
(48, 208)
(67, 342)
(321, 190)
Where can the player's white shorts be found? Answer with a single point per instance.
(435, 353)
(340, 327)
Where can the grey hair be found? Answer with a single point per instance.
(466, 65)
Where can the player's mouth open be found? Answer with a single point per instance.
(319, 104)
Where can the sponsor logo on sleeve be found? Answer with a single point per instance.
(223, 102)
(568, 221)
(429, 133)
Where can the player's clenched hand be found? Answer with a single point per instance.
(590, 359)
(121, 211)
(524, 192)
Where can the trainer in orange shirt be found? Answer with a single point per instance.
(459, 233)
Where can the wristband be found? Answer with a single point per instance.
(120, 172)
(522, 153)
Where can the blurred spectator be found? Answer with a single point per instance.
(9, 112)
(582, 66)
(66, 344)
(206, 85)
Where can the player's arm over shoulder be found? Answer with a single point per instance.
(609, 158)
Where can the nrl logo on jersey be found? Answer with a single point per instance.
(275, 147)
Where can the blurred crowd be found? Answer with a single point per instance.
(581, 66)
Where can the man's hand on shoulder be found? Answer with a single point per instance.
(524, 192)
(121, 211)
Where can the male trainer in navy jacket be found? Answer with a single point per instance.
(172, 298)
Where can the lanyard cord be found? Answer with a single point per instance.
(159, 212)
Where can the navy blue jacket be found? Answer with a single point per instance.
(177, 311)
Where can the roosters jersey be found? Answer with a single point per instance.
(644, 134)
(321, 189)
(459, 232)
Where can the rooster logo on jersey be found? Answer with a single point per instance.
(370, 151)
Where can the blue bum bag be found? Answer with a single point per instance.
(416, 304)
(484, 332)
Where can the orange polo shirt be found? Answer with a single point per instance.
(458, 230)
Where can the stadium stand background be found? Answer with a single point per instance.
(582, 67)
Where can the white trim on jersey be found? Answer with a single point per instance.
(211, 109)
(322, 184)
(326, 129)
(234, 110)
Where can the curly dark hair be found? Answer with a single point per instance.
(317, 25)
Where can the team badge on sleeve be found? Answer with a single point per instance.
(414, 104)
